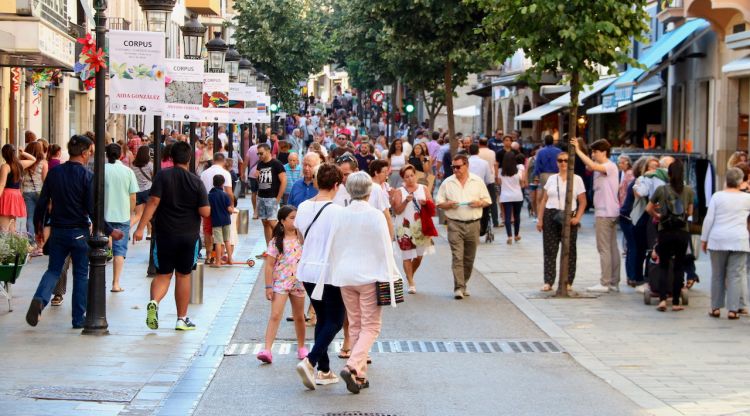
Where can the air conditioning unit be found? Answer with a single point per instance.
(29, 7)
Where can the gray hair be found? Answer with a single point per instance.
(359, 185)
(627, 159)
(734, 177)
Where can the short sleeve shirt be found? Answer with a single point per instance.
(181, 193)
(379, 198)
(556, 200)
(119, 183)
(268, 178)
(286, 263)
(220, 202)
(606, 187)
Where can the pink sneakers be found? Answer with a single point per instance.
(265, 356)
(301, 353)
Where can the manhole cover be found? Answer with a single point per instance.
(80, 394)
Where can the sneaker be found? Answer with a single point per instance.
(152, 315)
(265, 356)
(598, 288)
(302, 353)
(184, 325)
(412, 290)
(324, 379)
(458, 294)
(57, 300)
(640, 288)
(349, 379)
(306, 373)
(34, 312)
(467, 293)
(614, 289)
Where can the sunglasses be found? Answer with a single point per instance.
(456, 167)
(562, 160)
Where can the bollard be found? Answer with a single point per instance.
(243, 222)
(196, 284)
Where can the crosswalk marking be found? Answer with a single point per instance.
(415, 346)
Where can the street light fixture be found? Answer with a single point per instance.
(217, 50)
(232, 63)
(192, 37)
(245, 71)
(157, 13)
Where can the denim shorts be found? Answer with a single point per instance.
(120, 247)
(268, 208)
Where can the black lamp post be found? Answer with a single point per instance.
(96, 305)
(192, 37)
(232, 67)
(246, 73)
(217, 51)
(157, 15)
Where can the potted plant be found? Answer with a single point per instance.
(14, 251)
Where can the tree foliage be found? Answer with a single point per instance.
(285, 39)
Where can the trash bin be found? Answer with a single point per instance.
(196, 284)
(243, 221)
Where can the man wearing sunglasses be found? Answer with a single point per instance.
(462, 196)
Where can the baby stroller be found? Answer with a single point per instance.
(651, 290)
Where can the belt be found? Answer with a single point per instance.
(465, 222)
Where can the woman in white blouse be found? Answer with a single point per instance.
(397, 160)
(360, 228)
(512, 183)
(549, 220)
(725, 235)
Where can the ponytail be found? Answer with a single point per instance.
(278, 237)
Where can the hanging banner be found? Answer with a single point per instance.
(136, 72)
(184, 90)
(250, 105)
(215, 105)
(237, 98)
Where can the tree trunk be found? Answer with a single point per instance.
(575, 87)
(448, 79)
(433, 108)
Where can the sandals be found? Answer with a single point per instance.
(715, 313)
(345, 353)
(732, 315)
(691, 282)
(547, 287)
(662, 307)
(677, 308)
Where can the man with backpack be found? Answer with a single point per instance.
(607, 212)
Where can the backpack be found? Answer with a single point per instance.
(673, 215)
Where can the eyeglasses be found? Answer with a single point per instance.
(562, 160)
(346, 157)
(456, 167)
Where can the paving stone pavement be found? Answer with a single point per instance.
(131, 371)
(669, 363)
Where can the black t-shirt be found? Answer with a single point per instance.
(268, 178)
(181, 193)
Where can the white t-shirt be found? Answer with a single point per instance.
(207, 177)
(379, 198)
(558, 202)
(342, 197)
(481, 168)
(313, 263)
(510, 188)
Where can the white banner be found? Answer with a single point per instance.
(136, 72)
(184, 91)
(237, 98)
(216, 98)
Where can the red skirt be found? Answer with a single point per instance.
(12, 204)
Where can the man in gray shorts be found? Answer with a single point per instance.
(271, 186)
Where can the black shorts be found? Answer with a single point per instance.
(142, 197)
(253, 185)
(175, 253)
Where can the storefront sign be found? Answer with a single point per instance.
(56, 45)
(136, 72)
(184, 90)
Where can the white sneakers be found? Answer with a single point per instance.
(306, 373)
(324, 379)
(640, 288)
(598, 288)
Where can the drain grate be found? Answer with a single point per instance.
(80, 394)
(358, 414)
(412, 346)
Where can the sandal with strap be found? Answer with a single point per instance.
(345, 353)
(732, 315)
(715, 313)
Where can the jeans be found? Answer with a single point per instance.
(631, 253)
(63, 242)
(492, 189)
(330, 314)
(30, 198)
(514, 209)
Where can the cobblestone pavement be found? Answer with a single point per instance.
(669, 363)
(54, 370)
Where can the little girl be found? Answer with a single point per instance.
(282, 256)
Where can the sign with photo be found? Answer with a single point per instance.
(184, 89)
(215, 102)
(136, 72)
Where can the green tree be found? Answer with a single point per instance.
(573, 37)
(285, 39)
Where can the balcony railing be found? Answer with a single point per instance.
(55, 12)
(670, 11)
(118, 23)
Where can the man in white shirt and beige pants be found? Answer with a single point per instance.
(462, 196)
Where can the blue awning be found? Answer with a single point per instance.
(658, 51)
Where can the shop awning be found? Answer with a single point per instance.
(470, 111)
(737, 67)
(588, 91)
(639, 98)
(538, 113)
(675, 41)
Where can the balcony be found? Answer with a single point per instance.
(739, 40)
(204, 7)
(669, 11)
(118, 23)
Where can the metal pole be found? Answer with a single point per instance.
(217, 143)
(96, 306)
(151, 272)
(230, 137)
(193, 143)
(243, 149)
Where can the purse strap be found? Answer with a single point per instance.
(559, 204)
(307, 230)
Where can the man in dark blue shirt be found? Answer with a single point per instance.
(304, 189)
(546, 161)
(69, 188)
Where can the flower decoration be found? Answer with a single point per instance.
(87, 42)
(96, 59)
(90, 61)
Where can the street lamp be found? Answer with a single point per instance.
(246, 71)
(157, 13)
(232, 63)
(217, 49)
(192, 37)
